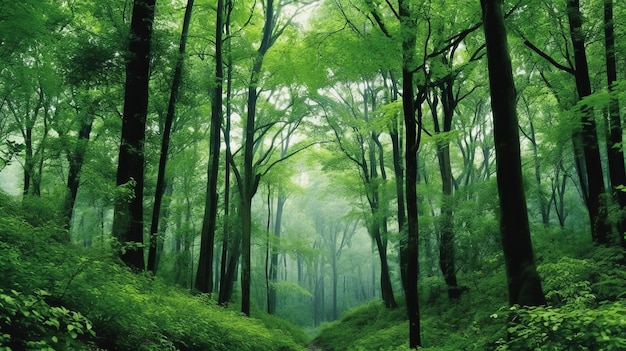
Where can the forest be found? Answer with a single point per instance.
(312, 175)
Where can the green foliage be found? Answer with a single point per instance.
(28, 322)
(94, 293)
(566, 282)
(566, 328)
(370, 326)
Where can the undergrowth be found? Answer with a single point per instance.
(55, 296)
(585, 286)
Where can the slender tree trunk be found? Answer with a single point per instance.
(600, 229)
(165, 141)
(75, 160)
(273, 270)
(333, 265)
(446, 221)
(615, 149)
(524, 283)
(267, 251)
(249, 183)
(128, 214)
(409, 29)
(226, 275)
(204, 276)
(29, 162)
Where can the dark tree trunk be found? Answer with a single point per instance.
(446, 220)
(204, 276)
(75, 160)
(588, 138)
(232, 262)
(524, 284)
(446, 223)
(615, 149)
(249, 180)
(165, 142)
(128, 218)
(29, 162)
(409, 29)
(226, 274)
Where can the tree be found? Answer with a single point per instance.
(249, 174)
(165, 141)
(204, 276)
(359, 142)
(584, 135)
(587, 136)
(128, 218)
(408, 23)
(617, 169)
(524, 284)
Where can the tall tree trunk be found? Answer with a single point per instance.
(226, 276)
(250, 180)
(615, 148)
(409, 29)
(204, 276)
(128, 214)
(165, 141)
(524, 284)
(587, 136)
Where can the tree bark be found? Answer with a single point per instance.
(524, 284)
(446, 221)
(128, 214)
(165, 142)
(226, 271)
(615, 150)
(75, 160)
(409, 28)
(249, 181)
(587, 136)
(204, 276)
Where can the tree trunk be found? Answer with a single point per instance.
(250, 180)
(29, 162)
(165, 142)
(409, 29)
(226, 273)
(273, 269)
(128, 214)
(446, 222)
(204, 276)
(75, 160)
(587, 136)
(524, 284)
(615, 149)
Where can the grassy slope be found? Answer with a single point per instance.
(44, 284)
(585, 287)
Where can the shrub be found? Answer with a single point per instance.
(28, 322)
(545, 328)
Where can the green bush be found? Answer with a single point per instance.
(27, 322)
(545, 328)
